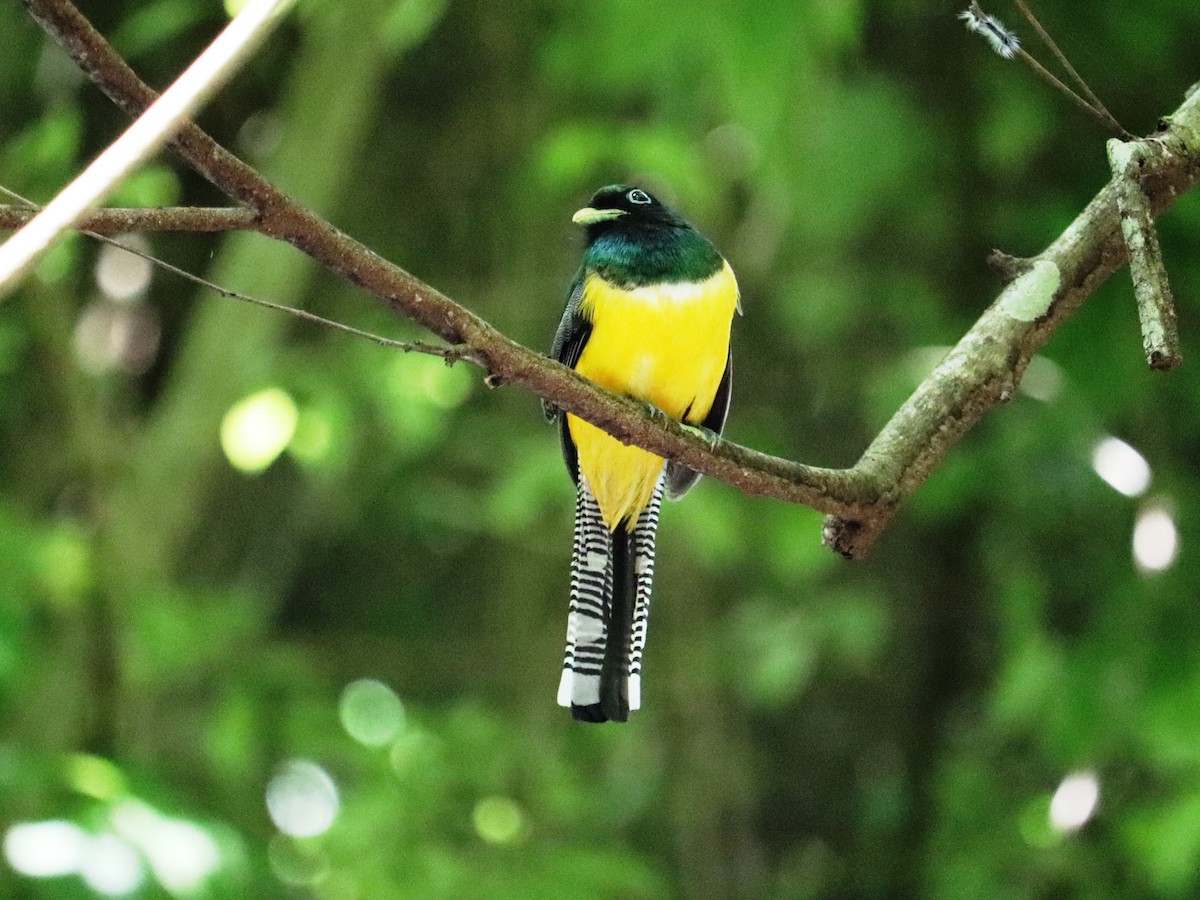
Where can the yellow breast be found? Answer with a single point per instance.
(666, 344)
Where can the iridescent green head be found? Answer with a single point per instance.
(633, 238)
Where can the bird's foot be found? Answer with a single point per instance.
(655, 412)
(705, 434)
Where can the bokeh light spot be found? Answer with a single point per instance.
(423, 378)
(45, 849)
(181, 854)
(1122, 467)
(295, 863)
(261, 134)
(302, 799)
(111, 866)
(1043, 380)
(1155, 539)
(112, 336)
(1075, 801)
(122, 275)
(371, 712)
(258, 428)
(498, 820)
(95, 776)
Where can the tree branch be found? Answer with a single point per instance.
(1156, 306)
(166, 218)
(196, 219)
(980, 372)
(145, 136)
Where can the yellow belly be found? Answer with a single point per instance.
(665, 344)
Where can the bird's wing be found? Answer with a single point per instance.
(679, 477)
(572, 335)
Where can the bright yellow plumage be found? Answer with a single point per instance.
(666, 344)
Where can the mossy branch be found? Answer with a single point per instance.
(982, 371)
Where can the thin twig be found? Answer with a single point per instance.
(1008, 46)
(451, 354)
(1113, 124)
(1105, 122)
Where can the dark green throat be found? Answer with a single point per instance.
(640, 254)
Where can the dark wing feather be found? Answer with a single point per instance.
(572, 335)
(679, 478)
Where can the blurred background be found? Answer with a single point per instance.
(282, 611)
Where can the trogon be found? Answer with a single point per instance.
(648, 316)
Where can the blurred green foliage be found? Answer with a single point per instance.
(334, 678)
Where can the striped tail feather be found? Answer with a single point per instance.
(591, 589)
(611, 575)
(643, 546)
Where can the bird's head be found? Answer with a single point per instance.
(621, 207)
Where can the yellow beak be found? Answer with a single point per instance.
(590, 216)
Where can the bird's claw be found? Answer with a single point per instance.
(706, 434)
(655, 412)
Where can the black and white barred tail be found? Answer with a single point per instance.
(611, 573)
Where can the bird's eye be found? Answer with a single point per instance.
(639, 196)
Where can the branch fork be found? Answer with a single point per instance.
(1152, 291)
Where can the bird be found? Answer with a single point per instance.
(648, 316)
